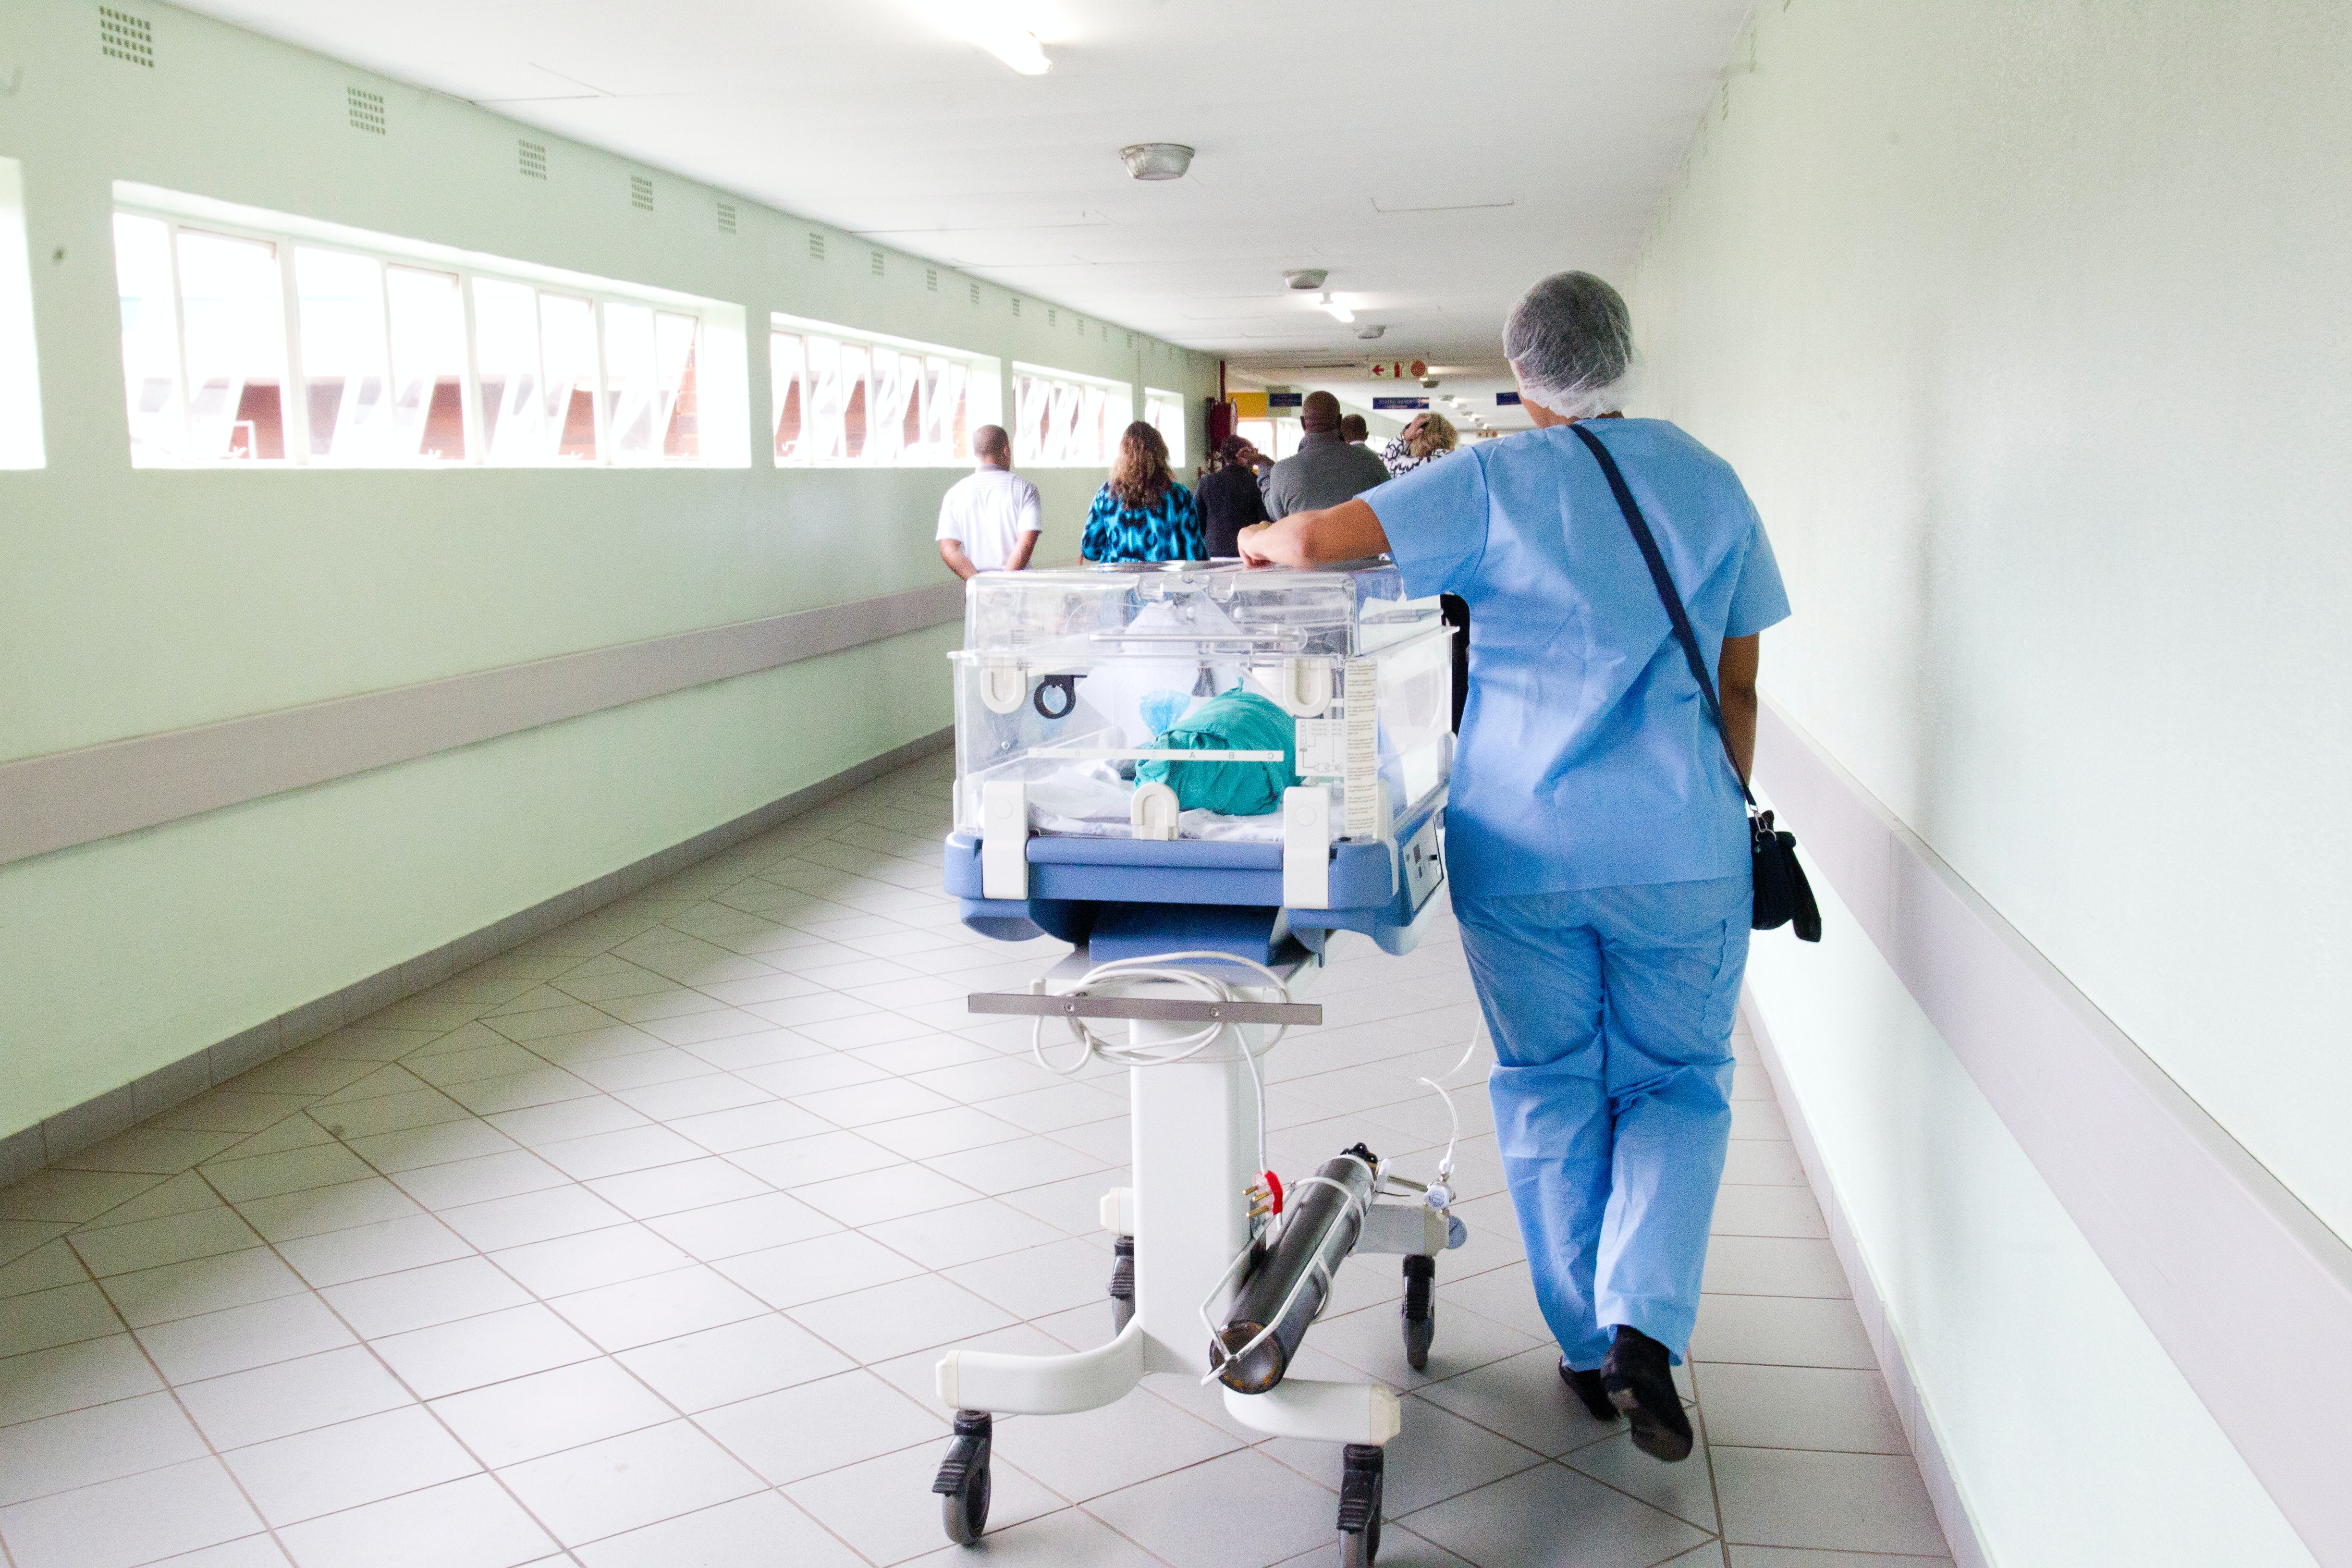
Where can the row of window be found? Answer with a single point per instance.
(250, 337)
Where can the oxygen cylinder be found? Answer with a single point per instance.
(1318, 1231)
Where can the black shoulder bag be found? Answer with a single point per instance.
(1782, 894)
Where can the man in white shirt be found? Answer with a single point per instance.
(990, 520)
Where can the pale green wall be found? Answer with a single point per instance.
(137, 602)
(2027, 324)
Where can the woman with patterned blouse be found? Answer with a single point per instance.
(1142, 513)
(1429, 435)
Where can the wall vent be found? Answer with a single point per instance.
(726, 218)
(816, 248)
(641, 192)
(1106, 335)
(874, 263)
(365, 109)
(530, 157)
(123, 37)
(1131, 339)
(975, 293)
(931, 278)
(1016, 304)
(1052, 317)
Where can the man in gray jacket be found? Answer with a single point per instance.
(1326, 470)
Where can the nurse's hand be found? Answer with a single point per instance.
(1248, 540)
(1349, 532)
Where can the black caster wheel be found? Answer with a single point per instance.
(1420, 1311)
(1122, 1283)
(1359, 1505)
(962, 1482)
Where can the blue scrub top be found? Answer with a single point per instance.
(1587, 758)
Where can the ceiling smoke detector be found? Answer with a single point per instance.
(1305, 278)
(1156, 159)
(1371, 330)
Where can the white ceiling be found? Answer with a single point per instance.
(1435, 159)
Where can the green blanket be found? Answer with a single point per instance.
(1237, 722)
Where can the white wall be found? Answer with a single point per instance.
(2027, 325)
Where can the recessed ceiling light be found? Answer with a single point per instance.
(1009, 41)
(1371, 330)
(1337, 311)
(1304, 277)
(1156, 159)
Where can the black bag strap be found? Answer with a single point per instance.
(1673, 601)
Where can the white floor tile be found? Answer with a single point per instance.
(1242, 1510)
(175, 1239)
(823, 1157)
(763, 1531)
(813, 1270)
(469, 1523)
(342, 1467)
(1840, 1502)
(547, 1412)
(472, 1352)
(137, 1520)
(1781, 1331)
(1528, 1519)
(216, 1343)
(1846, 1411)
(85, 1447)
(747, 1224)
(290, 1397)
(658, 1307)
(822, 1425)
(202, 1285)
(624, 1483)
(735, 1362)
(591, 1259)
(73, 1377)
(670, 1189)
(388, 1247)
(896, 1318)
(420, 1298)
(877, 1506)
(962, 1233)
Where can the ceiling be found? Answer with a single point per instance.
(1434, 160)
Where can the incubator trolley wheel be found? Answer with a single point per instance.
(1420, 1310)
(962, 1482)
(1359, 1505)
(1122, 1283)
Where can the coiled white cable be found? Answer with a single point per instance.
(1119, 974)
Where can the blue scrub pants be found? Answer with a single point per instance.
(1612, 1011)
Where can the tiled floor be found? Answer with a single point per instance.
(637, 1246)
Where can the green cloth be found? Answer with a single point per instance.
(1237, 722)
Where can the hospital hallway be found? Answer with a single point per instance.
(639, 1242)
(1031, 784)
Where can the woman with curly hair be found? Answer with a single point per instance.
(1141, 513)
(1429, 435)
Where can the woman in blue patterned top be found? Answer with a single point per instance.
(1142, 513)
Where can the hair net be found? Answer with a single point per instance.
(1570, 344)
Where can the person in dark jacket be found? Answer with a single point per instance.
(1230, 500)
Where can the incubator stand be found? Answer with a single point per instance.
(1197, 931)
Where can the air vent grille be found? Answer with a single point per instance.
(726, 218)
(530, 157)
(1053, 316)
(122, 37)
(816, 248)
(874, 262)
(641, 192)
(975, 293)
(366, 109)
(931, 278)
(1016, 304)
(1131, 339)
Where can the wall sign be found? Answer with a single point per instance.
(1285, 399)
(1398, 369)
(1506, 400)
(1381, 402)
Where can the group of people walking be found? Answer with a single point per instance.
(1615, 580)
(990, 521)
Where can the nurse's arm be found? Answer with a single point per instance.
(1735, 683)
(1349, 532)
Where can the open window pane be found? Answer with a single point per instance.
(506, 357)
(567, 329)
(675, 343)
(787, 372)
(232, 329)
(150, 338)
(856, 377)
(346, 378)
(428, 363)
(828, 399)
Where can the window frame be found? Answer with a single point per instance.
(719, 436)
(21, 443)
(983, 391)
(1118, 394)
(1159, 397)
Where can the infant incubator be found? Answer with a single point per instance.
(1197, 774)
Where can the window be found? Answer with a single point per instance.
(20, 381)
(1065, 420)
(1164, 411)
(844, 396)
(264, 338)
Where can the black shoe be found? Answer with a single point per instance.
(1641, 1383)
(1586, 1386)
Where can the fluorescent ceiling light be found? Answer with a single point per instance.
(1016, 47)
(1338, 313)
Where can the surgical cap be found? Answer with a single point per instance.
(1571, 342)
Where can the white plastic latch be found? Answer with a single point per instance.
(1307, 847)
(1005, 840)
(1151, 811)
(1003, 685)
(1305, 687)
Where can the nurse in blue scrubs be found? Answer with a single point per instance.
(1596, 840)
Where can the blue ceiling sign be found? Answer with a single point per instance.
(1381, 402)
